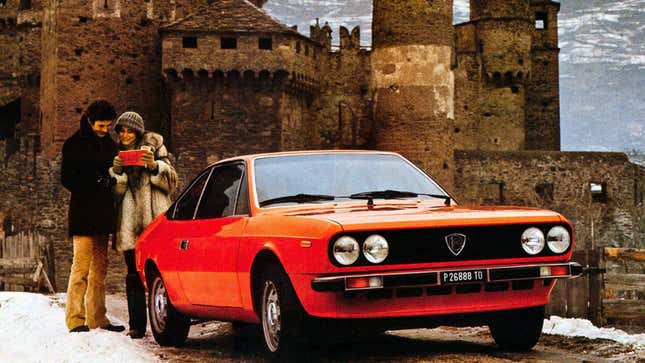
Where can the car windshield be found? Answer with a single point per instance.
(333, 177)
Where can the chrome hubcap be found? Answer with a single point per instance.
(160, 305)
(271, 316)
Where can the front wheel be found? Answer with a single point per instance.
(281, 315)
(169, 327)
(518, 329)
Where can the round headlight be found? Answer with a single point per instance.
(346, 250)
(533, 241)
(558, 239)
(376, 248)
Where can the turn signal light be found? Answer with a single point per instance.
(360, 283)
(546, 271)
(560, 270)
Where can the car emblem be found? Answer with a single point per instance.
(456, 243)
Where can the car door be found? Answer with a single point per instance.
(179, 231)
(214, 242)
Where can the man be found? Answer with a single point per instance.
(87, 156)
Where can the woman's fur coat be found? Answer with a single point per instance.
(142, 195)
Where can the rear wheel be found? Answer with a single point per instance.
(169, 327)
(281, 315)
(518, 329)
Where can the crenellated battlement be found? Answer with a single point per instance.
(350, 40)
(294, 81)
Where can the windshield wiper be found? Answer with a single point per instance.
(394, 194)
(297, 198)
(383, 194)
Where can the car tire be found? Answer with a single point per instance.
(169, 327)
(518, 329)
(281, 316)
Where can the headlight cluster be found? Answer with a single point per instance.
(346, 249)
(558, 240)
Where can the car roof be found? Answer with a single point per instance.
(251, 157)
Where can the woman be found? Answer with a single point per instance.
(143, 192)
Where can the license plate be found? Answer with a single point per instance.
(457, 277)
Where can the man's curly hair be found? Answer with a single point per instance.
(100, 110)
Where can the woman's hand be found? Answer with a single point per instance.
(117, 165)
(148, 158)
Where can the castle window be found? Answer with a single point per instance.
(540, 20)
(189, 42)
(545, 191)
(106, 8)
(9, 118)
(298, 47)
(598, 192)
(24, 5)
(265, 43)
(493, 193)
(3, 3)
(306, 50)
(228, 43)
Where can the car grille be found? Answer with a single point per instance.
(429, 245)
(449, 290)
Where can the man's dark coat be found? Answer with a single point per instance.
(86, 160)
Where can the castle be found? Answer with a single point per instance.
(476, 105)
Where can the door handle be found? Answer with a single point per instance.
(184, 244)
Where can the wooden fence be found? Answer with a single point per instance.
(623, 300)
(611, 293)
(25, 262)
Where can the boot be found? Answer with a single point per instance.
(136, 295)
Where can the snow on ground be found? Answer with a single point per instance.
(584, 328)
(32, 329)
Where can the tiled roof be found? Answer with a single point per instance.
(235, 16)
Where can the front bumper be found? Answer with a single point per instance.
(429, 278)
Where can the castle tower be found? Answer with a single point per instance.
(106, 49)
(236, 77)
(543, 93)
(413, 84)
(503, 31)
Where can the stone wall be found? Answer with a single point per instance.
(543, 94)
(291, 53)
(34, 199)
(342, 114)
(20, 49)
(93, 52)
(221, 117)
(610, 213)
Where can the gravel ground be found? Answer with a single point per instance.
(216, 342)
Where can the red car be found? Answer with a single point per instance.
(353, 239)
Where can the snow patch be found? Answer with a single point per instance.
(32, 329)
(584, 328)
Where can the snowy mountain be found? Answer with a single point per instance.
(602, 62)
(602, 74)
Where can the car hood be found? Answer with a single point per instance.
(429, 216)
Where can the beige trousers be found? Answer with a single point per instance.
(86, 289)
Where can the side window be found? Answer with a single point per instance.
(242, 207)
(185, 207)
(221, 192)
